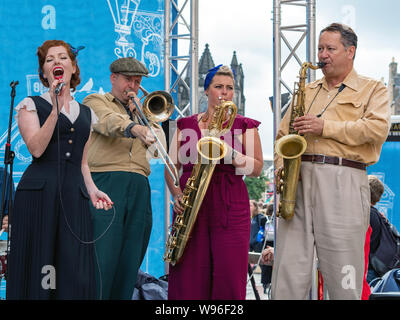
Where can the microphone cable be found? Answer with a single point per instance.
(341, 88)
(59, 188)
(62, 207)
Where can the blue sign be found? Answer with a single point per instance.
(388, 171)
(108, 29)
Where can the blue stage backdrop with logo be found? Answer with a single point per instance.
(108, 29)
(388, 171)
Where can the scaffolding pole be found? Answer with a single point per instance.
(181, 26)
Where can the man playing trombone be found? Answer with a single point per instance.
(120, 166)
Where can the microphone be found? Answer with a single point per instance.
(58, 88)
(341, 88)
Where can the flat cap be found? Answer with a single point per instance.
(129, 66)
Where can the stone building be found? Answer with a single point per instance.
(394, 88)
(206, 63)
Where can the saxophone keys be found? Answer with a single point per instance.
(171, 242)
(187, 204)
(179, 222)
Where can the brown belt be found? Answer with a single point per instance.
(320, 158)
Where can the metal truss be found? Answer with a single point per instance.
(179, 30)
(306, 33)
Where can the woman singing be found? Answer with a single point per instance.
(214, 264)
(52, 253)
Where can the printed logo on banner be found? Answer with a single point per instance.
(34, 86)
(146, 26)
(22, 155)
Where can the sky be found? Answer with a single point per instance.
(247, 28)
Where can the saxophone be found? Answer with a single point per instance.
(290, 148)
(210, 149)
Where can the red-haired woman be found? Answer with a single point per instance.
(52, 255)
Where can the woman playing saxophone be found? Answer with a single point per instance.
(214, 265)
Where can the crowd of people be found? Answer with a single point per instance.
(82, 212)
(262, 236)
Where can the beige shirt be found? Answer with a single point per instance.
(356, 123)
(109, 149)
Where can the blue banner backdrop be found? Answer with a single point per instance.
(387, 170)
(108, 29)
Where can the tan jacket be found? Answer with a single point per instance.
(356, 123)
(109, 149)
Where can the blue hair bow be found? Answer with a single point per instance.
(210, 75)
(74, 50)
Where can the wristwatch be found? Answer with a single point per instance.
(234, 154)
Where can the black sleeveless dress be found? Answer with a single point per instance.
(49, 258)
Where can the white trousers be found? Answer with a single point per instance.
(332, 214)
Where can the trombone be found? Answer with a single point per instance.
(158, 106)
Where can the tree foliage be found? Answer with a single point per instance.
(256, 186)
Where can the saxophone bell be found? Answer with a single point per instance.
(211, 148)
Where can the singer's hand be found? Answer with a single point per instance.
(53, 95)
(309, 124)
(5, 224)
(100, 200)
(59, 88)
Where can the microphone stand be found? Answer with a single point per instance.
(8, 161)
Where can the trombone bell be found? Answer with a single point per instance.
(158, 106)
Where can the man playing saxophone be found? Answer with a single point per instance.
(345, 123)
(214, 263)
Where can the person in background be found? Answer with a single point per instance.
(267, 255)
(377, 189)
(266, 270)
(258, 221)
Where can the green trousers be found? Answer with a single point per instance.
(120, 251)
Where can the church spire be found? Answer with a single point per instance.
(206, 63)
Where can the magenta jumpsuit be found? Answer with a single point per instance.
(214, 264)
